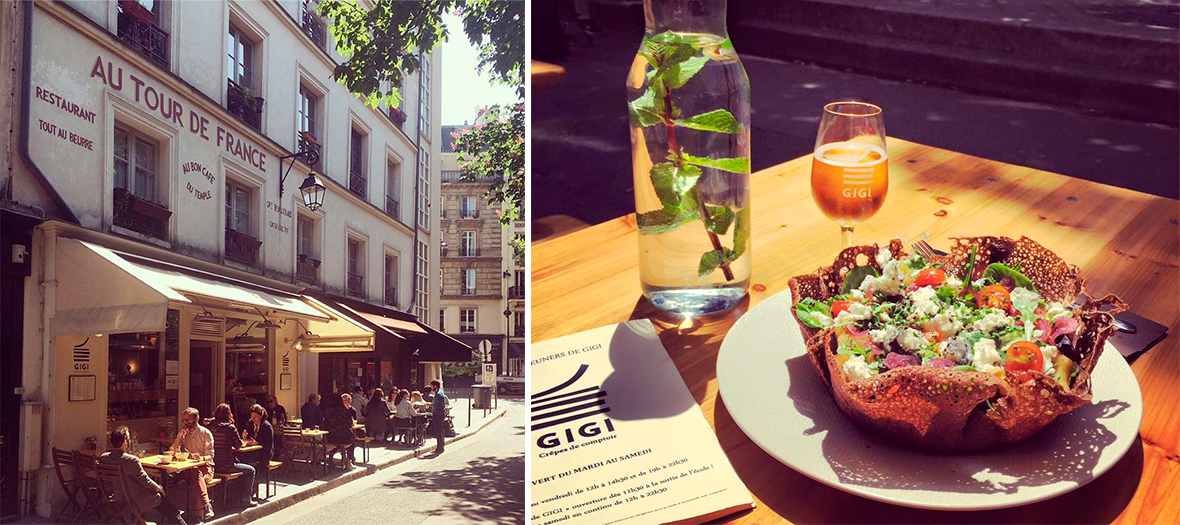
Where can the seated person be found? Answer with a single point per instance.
(339, 426)
(145, 493)
(259, 431)
(377, 422)
(197, 441)
(416, 398)
(347, 399)
(311, 414)
(226, 438)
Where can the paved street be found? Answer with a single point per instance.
(477, 480)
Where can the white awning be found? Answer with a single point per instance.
(342, 334)
(103, 291)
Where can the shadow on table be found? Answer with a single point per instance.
(689, 344)
(778, 486)
(486, 489)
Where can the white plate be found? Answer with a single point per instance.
(776, 396)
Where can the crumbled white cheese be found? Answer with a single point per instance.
(925, 301)
(857, 294)
(978, 284)
(856, 368)
(947, 324)
(822, 319)
(942, 347)
(891, 281)
(885, 316)
(991, 321)
(911, 339)
(1022, 295)
(954, 282)
(1049, 352)
(1038, 333)
(884, 335)
(883, 256)
(855, 312)
(1055, 310)
(984, 356)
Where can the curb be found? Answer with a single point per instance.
(278, 504)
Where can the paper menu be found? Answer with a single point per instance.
(618, 439)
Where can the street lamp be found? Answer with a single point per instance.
(313, 189)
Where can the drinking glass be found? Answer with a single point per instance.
(850, 167)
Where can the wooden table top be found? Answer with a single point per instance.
(1125, 242)
(307, 432)
(249, 448)
(544, 74)
(153, 461)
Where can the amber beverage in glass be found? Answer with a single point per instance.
(850, 167)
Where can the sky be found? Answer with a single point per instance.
(464, 90)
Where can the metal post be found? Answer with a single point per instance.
(470, 400)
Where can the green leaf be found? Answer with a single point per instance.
(651, 58)
(741, 232)
(734, 165)
(718, 120)
(661, 221)
(719, 219)
(807, 308)
(998, 271)
(856, 276)
(645, 110)
(713, 259)
(672, 183)
(677, 74)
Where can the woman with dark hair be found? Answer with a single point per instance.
(338, 423)
(259, 430)
(225, 439)
(377, 420)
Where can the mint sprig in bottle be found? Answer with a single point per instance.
(689, 101)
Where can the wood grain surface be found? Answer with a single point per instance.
(1125, 242)
(544, 74)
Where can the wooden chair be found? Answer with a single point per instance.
(114, 487)
(364, 443)
(64, 459)
(295, 446)
(86, 468)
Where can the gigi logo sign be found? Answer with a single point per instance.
(576, 411)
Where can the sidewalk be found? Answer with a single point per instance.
(297, 485)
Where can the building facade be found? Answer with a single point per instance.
(482, 286)
(167, 257)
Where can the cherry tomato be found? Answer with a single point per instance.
(994, 296)
(930, 277)
(933, 336)
(1024, 356)
(839, 306)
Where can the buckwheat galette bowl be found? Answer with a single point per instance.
(965, 352)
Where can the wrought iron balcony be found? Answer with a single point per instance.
(397, 116)
(391, 207)
(144, 36)
(516, 292)
(462, 252)
(467, 291)
(315, 28)
(357, 183)
(517, 330)
(307, 269)
(391, 296)
(241, 248)
(141, 215)
(356, 285)
(240, 101)
(469, 214)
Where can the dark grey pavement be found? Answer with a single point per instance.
(479, 480)
(581, 150)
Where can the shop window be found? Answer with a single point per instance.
(142, 383)
(421, 274)
(240, 244)
(137, 205)
(424, 190)
(467, 321)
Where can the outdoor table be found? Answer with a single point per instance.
(294, 421)
(1125, 242)
(248, 448)
(319, 444)
(173, 468)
